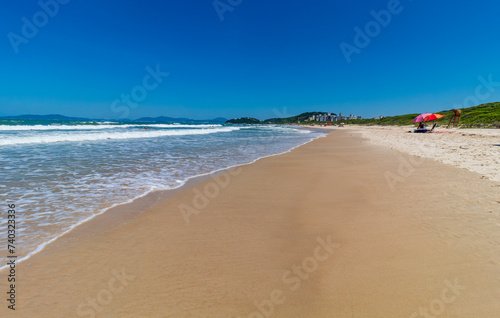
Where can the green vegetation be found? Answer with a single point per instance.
(485, 115)
(243, 120)
(294, 119)
(278, 121)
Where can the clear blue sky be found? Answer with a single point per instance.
(264, 59)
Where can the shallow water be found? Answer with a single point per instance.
(60, 175)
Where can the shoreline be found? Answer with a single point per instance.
(140, 204)
(324, 208)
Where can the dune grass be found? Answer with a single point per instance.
(484, 115)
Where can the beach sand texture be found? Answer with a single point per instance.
(338, 227)
(477, 150)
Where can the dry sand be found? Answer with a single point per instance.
(477, 150)
(335, 228)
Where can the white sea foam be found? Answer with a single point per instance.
(63, 186)
(77, 137)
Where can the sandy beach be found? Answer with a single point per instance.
(343, 226)
(477, 150)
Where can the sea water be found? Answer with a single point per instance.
(60, 174)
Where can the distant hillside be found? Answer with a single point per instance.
(44, 117)
(485, 115)
(243, 120)
(163, 119)
(294, 119)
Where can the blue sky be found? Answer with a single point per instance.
(263, 59)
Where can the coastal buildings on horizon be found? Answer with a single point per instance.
(332, 117)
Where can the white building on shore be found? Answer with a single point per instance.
(332, 117)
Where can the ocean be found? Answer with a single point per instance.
(61, 174)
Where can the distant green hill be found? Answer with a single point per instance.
(485, 115)
(243, 120)
(45, 117)
(278, 121)
(294, 119)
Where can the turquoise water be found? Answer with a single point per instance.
(60, 174)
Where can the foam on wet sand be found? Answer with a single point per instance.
(316, 232)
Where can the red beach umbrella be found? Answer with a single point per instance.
(433, 117)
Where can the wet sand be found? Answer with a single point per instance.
(335, 228)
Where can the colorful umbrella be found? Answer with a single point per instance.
(421, 117)
(433, 117)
